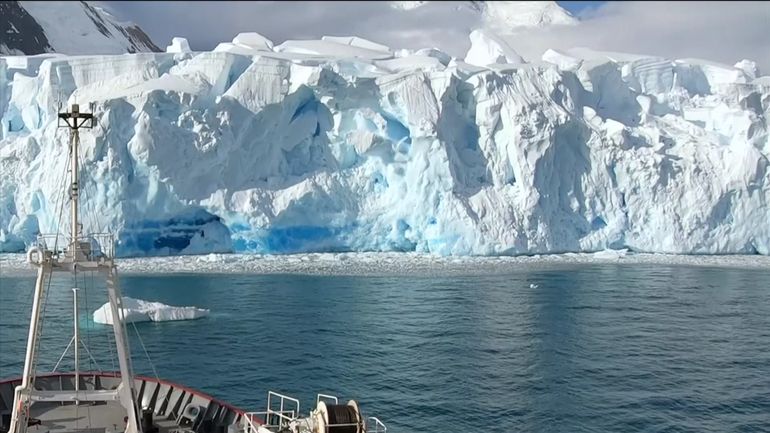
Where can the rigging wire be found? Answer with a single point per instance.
(154, 371)
(89, 317)
(81, 163)
(111, 345)
(38, 342)
(33, 370)
(85, 308)
(79, 302)
(86, 201)
(90, 211)
(1, 303)
(75, 285)
(96, 223)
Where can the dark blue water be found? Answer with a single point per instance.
(606, 348)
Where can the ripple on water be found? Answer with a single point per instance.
(600, 347)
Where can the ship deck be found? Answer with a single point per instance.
(103, 417)
(165, 401)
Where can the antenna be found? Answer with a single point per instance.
(75, 119)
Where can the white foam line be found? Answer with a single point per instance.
(393, 263)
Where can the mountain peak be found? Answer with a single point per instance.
(505, 16)
(30, 27)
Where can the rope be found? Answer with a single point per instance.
(342, 414)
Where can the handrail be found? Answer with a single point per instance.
(92, 246)
(377, 425)
(326, 396)
(281, 412)
(283, 417)
(254, 427)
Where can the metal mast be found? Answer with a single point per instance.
(74, 120)
(77, 256)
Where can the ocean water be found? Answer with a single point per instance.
(588, 348)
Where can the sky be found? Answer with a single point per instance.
(724, 32)
(576, 7)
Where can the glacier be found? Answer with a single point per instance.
(343, 144)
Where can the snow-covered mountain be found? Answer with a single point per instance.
(502, 16)
(346, 144)
(67, 27)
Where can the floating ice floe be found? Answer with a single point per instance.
(137, 310)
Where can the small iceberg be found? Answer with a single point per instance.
(611, 254)
(137, 310)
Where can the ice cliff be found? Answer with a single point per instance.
(343, 144)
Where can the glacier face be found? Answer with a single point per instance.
(343, 144)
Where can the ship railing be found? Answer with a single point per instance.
(251, 427)
(281, 420)
(281, 411)
(374, 425)
(275, 420)
(320, 397)
(91, 247)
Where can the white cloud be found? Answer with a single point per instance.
(720, 31)
(205, 24)
(725, 32)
